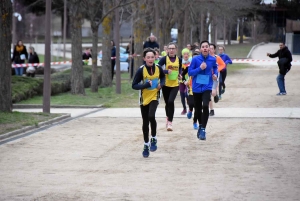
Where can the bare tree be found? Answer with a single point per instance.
(99, 12)
(5, 67)
(76, 15)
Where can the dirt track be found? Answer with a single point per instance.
(100, 158)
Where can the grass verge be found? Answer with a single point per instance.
(16, 120)
(238, 50)
(105, 96)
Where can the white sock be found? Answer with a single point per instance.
(148, 144)
(154, 137)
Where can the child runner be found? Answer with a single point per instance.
(201, 69)
(188, 83)
(182, 87)
(165, 52)
(223, 72)
(221, 66)
(170, 90)
(149, 79)
(156, 55)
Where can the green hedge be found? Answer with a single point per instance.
(27, 87)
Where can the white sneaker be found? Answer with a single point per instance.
(169, 127)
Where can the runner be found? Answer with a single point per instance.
(188, 83)
(149, 79)
(221, 66)
(223, 72)
(170, 90)
(182, 87)
(201, 69)
(165, 52)
(156, 55)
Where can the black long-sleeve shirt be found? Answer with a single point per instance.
(136, 83)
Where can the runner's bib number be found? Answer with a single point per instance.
(202, 79)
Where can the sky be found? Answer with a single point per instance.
(268, 1)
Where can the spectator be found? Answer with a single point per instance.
(87, 54)
(130, 52)
(151, 42)
(19, 56)
(284, 63)
(113, 58)
(33, 59)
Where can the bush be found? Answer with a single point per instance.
(27, 87)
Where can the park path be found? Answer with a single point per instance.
(251, 152)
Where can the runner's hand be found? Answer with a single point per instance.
(214, 77)
(179, 77)
(203, 65)
(158, 87)
(150, 82)
(268, 54)
(186, 83)
(169, 71)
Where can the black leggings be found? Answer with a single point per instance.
(113, 63)
(223, 74)
(201, 103)
(192, 106)
(148, 115)
(170, 94)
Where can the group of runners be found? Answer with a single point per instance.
(199, 75)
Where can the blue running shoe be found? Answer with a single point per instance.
(195, 126)
(202, 135)
(146, 152)
(153, 144)
(198, 132)
(189, 114)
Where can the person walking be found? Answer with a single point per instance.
(223, 72)
(172, 70)
(149, 79)
(284, 64)
(19, 56)
(204, 69)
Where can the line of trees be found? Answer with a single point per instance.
(196, 20)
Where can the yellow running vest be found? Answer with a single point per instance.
(152, 93)
(174, 66)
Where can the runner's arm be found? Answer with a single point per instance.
(274, 55)
(162, 77)
(228, 60)
(184, 72)
(136, 83)
(221, 63)
(194, 68)
(161, 63)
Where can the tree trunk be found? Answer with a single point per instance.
(185, 27)
(117, 40)
(202, 20)
(94, 83)
(139, 33)
(229, 33)
(180, 36)
(77, 85)
(106, 52)
(157, 22)
(5, 67)
(241, 30)
(224, 31)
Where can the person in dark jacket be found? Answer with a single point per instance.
(19, 56)
(130, 52)
(32, 59)
(284, 64)
(87, 54)
(151, 42)
(113, 58)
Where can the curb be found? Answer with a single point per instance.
(31, 106)
(28, 128)
(249, 54)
